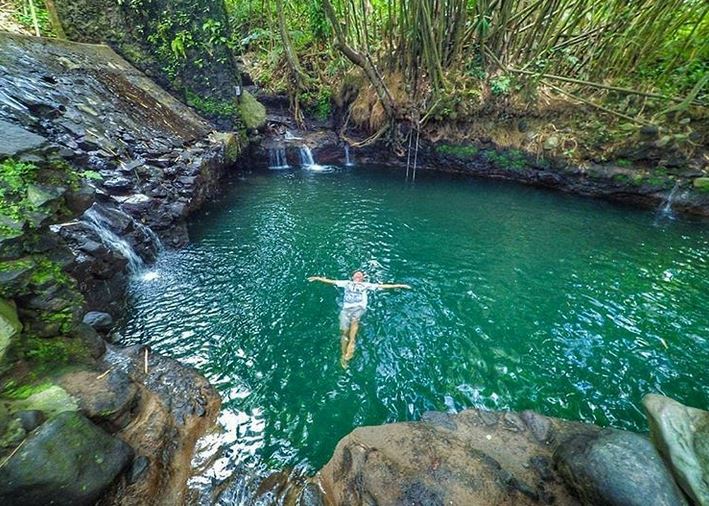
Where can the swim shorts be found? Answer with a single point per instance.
(350, 314)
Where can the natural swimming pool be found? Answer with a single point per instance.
(522, 299)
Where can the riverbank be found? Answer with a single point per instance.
(683, 187)
(100, 169)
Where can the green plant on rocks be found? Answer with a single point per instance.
(458, 151)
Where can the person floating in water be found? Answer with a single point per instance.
(353, 307)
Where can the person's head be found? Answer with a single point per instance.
(358, 276)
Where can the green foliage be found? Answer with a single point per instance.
(23, 16)
(46, 353)
(211, 106)
(622, 162)
(13, 390)
(91, 175)
(512, 159)
(15, 177)
(500, 85)
(459, 151)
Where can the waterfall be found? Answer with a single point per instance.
(348, 160)
(306, 157)
(277, 158)
(308, 162)
(665, 209)
(100, 225)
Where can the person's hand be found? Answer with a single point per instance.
(313, 278)
(408, 287)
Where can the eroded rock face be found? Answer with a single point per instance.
(474, 457)
(67, 461)
(681, 433)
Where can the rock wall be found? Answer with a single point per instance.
(181, 44)
(99, 164)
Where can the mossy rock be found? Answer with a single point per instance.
(66, 461)
(10, 325)
(701, 184)
(49, 399)
(252, 112)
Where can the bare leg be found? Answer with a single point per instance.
(354, 327)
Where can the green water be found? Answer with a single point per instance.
(522, 299)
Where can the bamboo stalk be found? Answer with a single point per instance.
(33, 15)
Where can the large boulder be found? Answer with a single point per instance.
(105, 398)
(475, 457)
(10, 325)
(616, 468)
(681, 434)
(67, 461)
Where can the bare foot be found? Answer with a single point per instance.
(344, 362)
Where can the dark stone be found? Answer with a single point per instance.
(31, 419)
(138, 469)
(92, 341)
(16, 139)
(616, 468)
(68, 461)
(649, 132)
(118, 185)
(105, 398)
(100, 321)
(80, 200)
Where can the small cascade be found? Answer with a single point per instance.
(306, 157)
(100, 225)
(277, 158)
(348, 160)
(664, 212)
(308, 162)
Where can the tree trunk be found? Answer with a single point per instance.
(362, 61)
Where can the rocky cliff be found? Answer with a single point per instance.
(99, 169)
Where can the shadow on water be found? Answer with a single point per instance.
(522, 299)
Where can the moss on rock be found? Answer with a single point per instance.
(252, 112)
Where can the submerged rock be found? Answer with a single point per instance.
(681, 434)
(616, 468)
(67, 461)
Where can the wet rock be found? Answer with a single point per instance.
(80, 200)
(117, 185)
(139, 468)
(31, 419)
(16, 139)
(10, 325)
(67, 461)
(616, 468)
(681, 434)
(98, 320)
(104, 398)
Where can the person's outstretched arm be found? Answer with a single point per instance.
(385, 287)
(322, 280)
